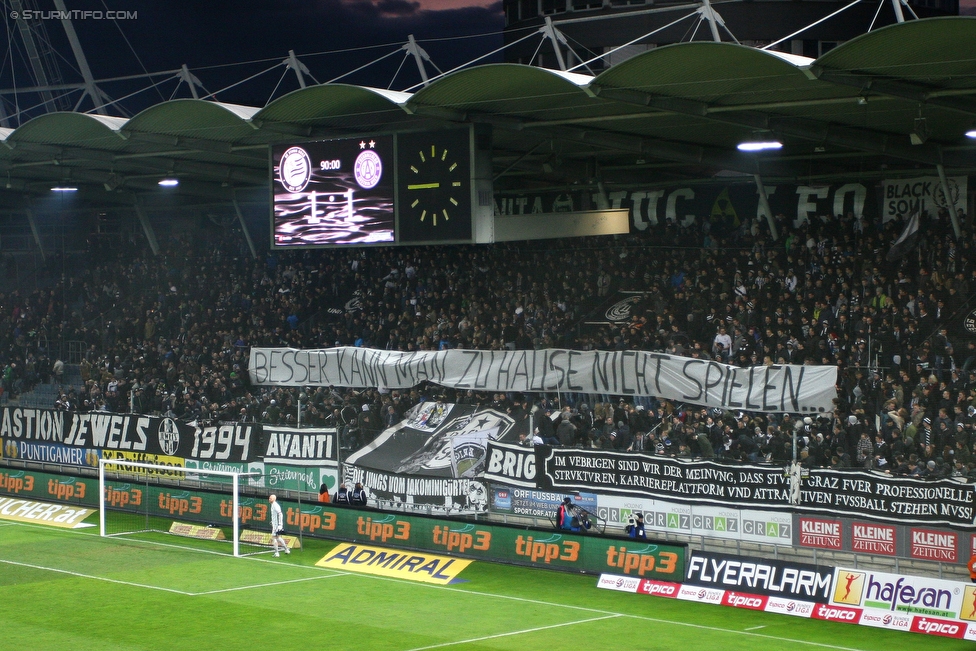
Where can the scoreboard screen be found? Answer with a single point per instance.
(333, 192)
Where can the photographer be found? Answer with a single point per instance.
(564, 514)
(635, 526)
(581, 519)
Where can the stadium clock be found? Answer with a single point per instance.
(434, 184)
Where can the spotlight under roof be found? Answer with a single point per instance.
(759, 145)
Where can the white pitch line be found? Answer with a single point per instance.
(95, 538)
(510, 633)
(173, 590)
(97, 578)
(540, 602)
(267, 585)
(487, 594)
(754, 628)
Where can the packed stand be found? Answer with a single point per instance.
(171, 334)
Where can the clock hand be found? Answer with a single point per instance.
(423, 186)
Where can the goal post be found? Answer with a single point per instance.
(138, 495)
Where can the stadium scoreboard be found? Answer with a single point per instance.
(407, 188)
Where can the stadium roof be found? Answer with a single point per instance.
(674, 113)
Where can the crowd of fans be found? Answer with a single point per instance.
(170, 334)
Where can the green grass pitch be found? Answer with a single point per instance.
(71, 590)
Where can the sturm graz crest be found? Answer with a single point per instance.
(969, 323)
(354, 304)
(938, 194)
(295, 169)
(620, 311)
(169, 436)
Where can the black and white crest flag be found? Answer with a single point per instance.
(907, 240)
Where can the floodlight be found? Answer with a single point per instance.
(920, 133)
(759, 145)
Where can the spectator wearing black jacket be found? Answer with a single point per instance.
(359, 495)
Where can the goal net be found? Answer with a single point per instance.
(142, 498)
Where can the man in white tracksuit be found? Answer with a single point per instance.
(277, 526)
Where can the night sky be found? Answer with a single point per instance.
(208, 36)
(225, 42)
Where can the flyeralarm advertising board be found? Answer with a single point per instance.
(760, 576)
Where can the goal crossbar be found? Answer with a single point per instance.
(121, 465)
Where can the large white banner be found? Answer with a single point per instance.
(784, 388)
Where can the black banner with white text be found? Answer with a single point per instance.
(300, 446)
(46, 435)
(852, 493)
